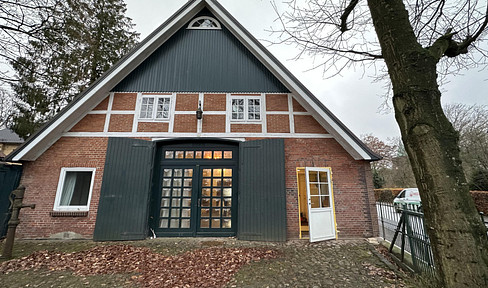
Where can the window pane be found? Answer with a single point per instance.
(76, 188)
(162, 108)
(163, 223)
(312, 176)
(227, 192)
(207, 154)
(204, 223)
(215, 223)
(324, 189)
(207, 172)
(167, 172)
(323, 176)
(218, 155)
(227, 172)
(205, 212)
(226, 223)
(227, 154)
(198, 155)
(185, 223)
(175, 223)
(180, 154)
(315, 201)
(169, 155)
(216, 192)
(217, 172)
(147, 107)
(314, 189)
(176, 192)
(189, 155)
(325, 201)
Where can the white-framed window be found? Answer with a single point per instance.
(75, 188)
(246, 108)
(155, 107)
(204, 22)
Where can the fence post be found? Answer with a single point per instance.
(382, 219)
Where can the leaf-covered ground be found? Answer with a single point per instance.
(182, 262)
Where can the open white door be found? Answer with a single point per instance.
(320, 204)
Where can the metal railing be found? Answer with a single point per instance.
(404, 228)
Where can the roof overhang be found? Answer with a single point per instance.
(93, 95)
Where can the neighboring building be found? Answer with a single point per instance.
(8, 142)
(199, 131)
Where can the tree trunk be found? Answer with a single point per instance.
(457, 235)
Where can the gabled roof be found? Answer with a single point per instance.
(9, 136)
(93, 95)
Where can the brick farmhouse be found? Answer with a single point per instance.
(199, 131)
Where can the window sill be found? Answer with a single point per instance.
(68, 213)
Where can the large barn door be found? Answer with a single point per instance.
(124, 197)
(262, 192)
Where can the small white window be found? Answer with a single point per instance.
(74, 189)
(204, 22)
(155, 107)
(246, 108)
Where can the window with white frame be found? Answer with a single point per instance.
(204, 22)
(74, 189)
(246, 108)
(155, 107)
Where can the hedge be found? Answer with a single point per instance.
(388, 194)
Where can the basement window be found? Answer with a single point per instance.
(74, 189)
(204, 22)
(155, 108)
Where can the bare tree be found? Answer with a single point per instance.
(471, 121)
(416, 40)
(21, 21)
(6, 106)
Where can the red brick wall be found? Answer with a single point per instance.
(214, 102)
(276, 102)
(90, 123)
(213, 124)
(152, 127)
(120, 123)
(185, 123)
(352, 185)
(307, 124)
(186, 102)
(124, 101)
(246, 128)
(103, 105)
(297, 107)
(278, 123)
(41, 177)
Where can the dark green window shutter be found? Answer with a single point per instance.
(262, 192)
(124, 197)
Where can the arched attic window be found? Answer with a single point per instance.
(204, 22)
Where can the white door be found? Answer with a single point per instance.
(320, 204)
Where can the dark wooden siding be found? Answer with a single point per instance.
(124, 197)
(9, 180)
(201, 61)
(262, 192)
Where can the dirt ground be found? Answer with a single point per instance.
(198, 262)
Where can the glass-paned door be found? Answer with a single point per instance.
(176, 198)
(320, 204)
(216, 198)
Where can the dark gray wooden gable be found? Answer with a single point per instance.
(124, 197)
(196, 60)
(262, 192)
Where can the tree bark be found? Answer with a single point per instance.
(458, 237)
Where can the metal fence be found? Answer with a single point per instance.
(404, 228)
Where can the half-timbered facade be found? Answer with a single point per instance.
(199, 131)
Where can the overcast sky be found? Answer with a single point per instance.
(352, 96)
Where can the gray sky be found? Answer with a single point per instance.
(352, 96)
